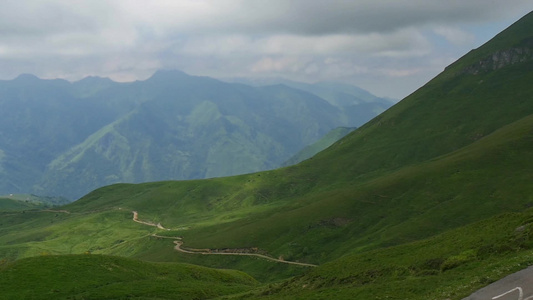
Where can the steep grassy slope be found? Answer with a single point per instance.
(326, 141)
(441, 117)
(106, 277)
(448, 266)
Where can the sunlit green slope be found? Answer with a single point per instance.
(106, 277)
(483, 91)
(448, 266)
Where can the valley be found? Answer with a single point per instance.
(432, 199)
(172, 126)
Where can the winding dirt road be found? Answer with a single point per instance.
(136, 219)
(179, 243)
(205, 252)
(57, 211)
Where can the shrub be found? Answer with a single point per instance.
(457, 260)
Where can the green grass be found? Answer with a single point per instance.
(159, 250)
(29, 201)
(448, 266)
(107, 277)
(9, 204)
(60, 233)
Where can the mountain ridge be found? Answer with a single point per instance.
(170, 126)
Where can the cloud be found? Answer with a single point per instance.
(283, 64)
(455, 35)
(400, 41)
(308, 17)
(304, 39)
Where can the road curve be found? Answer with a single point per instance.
(517, 286)
(178, 242)
(136, 219)
(57, 211)
(204, 252)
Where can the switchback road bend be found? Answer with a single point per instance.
(517, 286)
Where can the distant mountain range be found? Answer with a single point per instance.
(356, 103)
(65, 139)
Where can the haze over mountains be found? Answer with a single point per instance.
(65, 139)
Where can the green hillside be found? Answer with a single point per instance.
(106, 277)
(324, 142)
(7, 204)
(428, 200)
(18, 202)
(436, 268)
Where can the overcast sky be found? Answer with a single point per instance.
(389, 47)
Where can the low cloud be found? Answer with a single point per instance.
(301, 39)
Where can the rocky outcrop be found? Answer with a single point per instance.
(500, 59)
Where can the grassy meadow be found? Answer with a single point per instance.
(112, 277)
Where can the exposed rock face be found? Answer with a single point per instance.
(500, 59)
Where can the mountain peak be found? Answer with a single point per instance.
(26, 77)
(511, 46)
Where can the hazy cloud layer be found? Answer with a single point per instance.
(389, 47)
